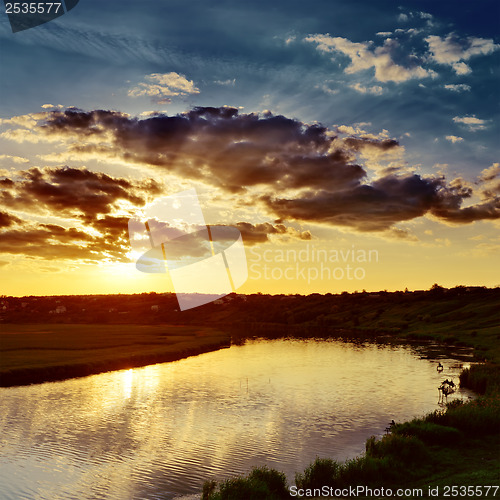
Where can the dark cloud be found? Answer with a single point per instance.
(217, 145)
(7, 219)
(358, 144)
(302, 172)
(259, 233)
(87, 201)
(195, 241)
(73, 192)
(386, 201)
(53, 242)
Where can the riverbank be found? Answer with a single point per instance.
(460, 316)
(425, 458)
(37, 353)
(94, 334)
(455, 447)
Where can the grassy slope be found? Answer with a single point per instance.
(474, 463)
(37, 352)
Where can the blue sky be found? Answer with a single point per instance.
(255, 55)
(422, 74)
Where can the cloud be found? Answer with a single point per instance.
(471, 122)
(454, 138)
(365, 56)
(327, 90)
(72, 192)
(461, 68)
(7, 219)
(54, 242)
(490, 173)
(15, 159)
(218, 146)
(228, 82)
(453, 51)
(93, 208)
(489, 182)
(289, 169)
(259, 233)
(425, 15)
(459, 87)
(163, 86)
(375, 90)
(391, 199)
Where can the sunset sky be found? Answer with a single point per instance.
(353, 144)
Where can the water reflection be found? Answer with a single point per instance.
(161, 430)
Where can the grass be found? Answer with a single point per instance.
(36, 353)
(483, 379)
(456, 321)
(453, 317)
(457, 446)
(261, 484)
(416, 455)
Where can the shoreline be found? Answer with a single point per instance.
(36, 354)
(420, 455)
(428, 446)
(20, 377)
(35, 376)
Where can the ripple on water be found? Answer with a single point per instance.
(161, 430)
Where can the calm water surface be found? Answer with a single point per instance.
(160, 431)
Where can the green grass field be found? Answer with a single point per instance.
(37, 352)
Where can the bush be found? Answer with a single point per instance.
(481, 378)
(274, 480)
(322, 472)
(403, 451)
(241, 488)
(369, 471)
(261, 484)
(208, 489)
(474, 418)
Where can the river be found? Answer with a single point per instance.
(160, 431)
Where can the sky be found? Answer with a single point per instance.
(354, 145)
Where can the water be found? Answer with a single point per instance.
(160, 431)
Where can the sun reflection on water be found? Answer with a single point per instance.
(164, 429)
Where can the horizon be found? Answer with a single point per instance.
(344, 292)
